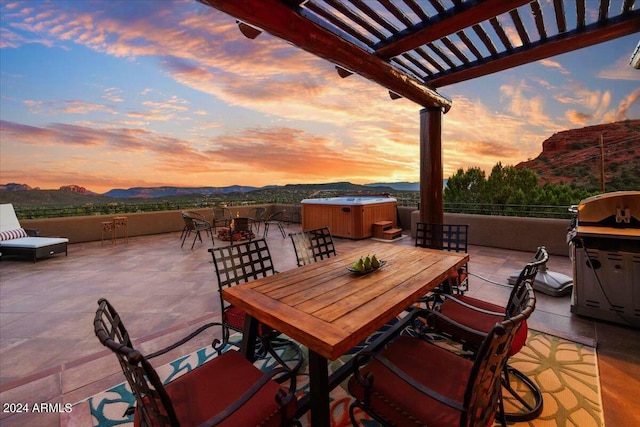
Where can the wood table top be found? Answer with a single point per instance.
(329, 309)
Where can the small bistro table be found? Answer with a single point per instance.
(329, 309)
(111, 228)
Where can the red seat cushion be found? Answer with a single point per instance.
(479, 321)
(432, 366)
(457, 276)
(207, 390)
(235, 317)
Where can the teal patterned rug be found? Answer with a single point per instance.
(108, 407)
(565, 371)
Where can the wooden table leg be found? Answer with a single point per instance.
(319, 390)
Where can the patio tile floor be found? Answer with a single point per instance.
(48, 352)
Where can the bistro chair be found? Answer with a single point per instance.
(313, 245)
(413, 382)
(194, 222)
(221, 217)
(242, 263)
(448, 237)
(256, 216)
(227, 390)
(276, 219)
(468, 320)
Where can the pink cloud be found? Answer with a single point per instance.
(549, 63)
(66, 107)
(626, 104)
(10, 39)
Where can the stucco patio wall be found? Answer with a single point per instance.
(523, 234)
(89, 228)
(509, 232)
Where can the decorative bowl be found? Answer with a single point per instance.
(363, 272)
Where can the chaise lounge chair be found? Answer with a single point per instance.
(15, 240)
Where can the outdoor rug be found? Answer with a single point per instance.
(565, 371)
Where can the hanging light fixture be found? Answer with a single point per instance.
(343, 72)
(248, 31)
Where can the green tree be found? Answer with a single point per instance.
(466, 187)
(508, 189)
(509, 185)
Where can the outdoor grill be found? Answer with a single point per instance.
(605, 249)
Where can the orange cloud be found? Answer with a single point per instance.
(579, 118)
(473, 135)
(265, 153)
(306, 124)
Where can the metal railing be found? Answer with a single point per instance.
(109, 209)
(118, 208)
(537, 211)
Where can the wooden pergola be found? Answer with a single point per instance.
(414, 47)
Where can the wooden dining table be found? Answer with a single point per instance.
(330, 309)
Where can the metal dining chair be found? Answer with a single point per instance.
(256, 216)
(195, 223)
(227, 390)
(415, 382)
(242, 263)
(467, 320)
(221, 217)
(313, 245)
(447, 237)
(276, 219)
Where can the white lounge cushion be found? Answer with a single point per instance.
(8, 218)
(33, 242)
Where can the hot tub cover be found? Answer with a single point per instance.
(350, 200)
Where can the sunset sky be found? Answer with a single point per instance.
(120, 94)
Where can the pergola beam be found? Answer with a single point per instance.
(286, 22)
(565, 42)
(436, 28)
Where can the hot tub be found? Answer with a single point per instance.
(348, 217)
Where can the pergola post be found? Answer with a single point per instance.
(431, 204)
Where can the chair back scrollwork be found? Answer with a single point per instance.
(153, 405)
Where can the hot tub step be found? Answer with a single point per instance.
(392, 233)
(380, 227)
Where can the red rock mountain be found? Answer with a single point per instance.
(574, 156)
(75, 189)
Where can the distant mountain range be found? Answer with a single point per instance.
(74, 194)
(400, 186)
(167, 191)
(153, 192)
